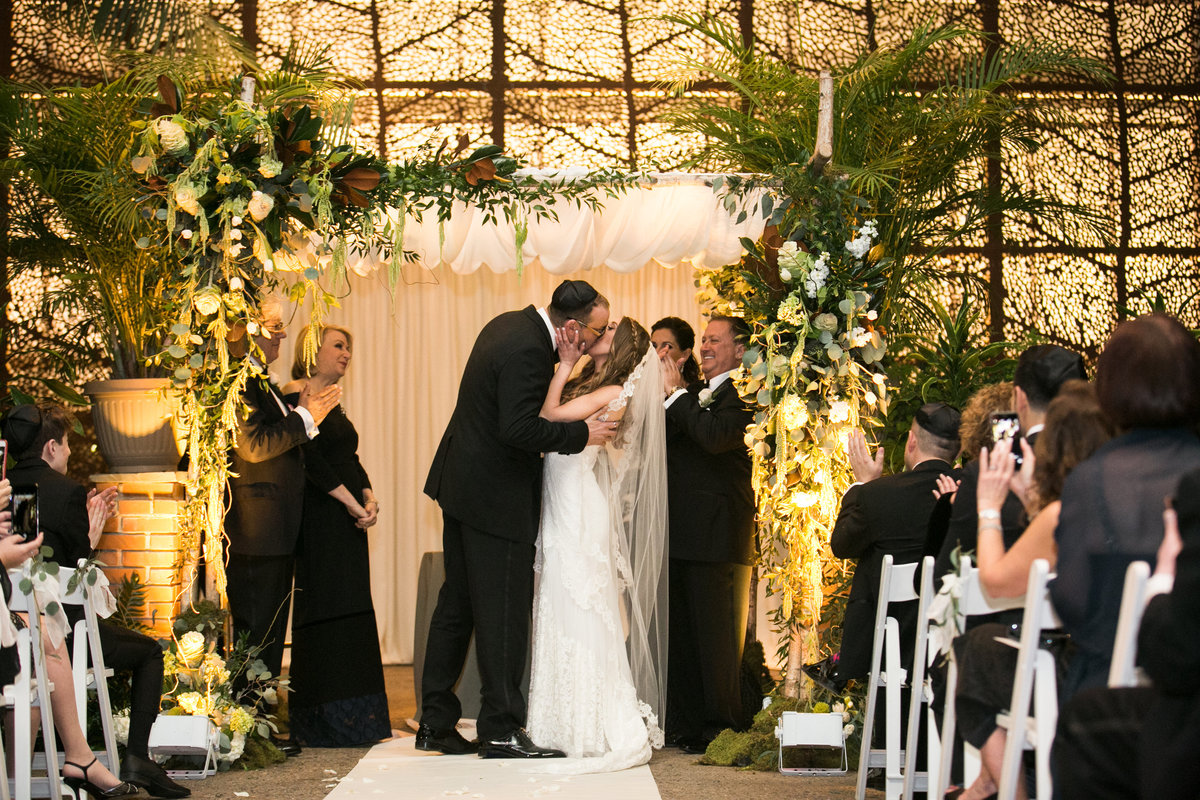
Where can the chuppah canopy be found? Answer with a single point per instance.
(411, 343)
(665, 219)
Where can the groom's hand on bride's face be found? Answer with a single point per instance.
(600, 430)
(319, 404)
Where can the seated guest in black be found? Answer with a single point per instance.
(71, 521)
(1041, 372)
(1143, 741)
(886, 515)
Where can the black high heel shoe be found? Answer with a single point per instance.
(122, 789)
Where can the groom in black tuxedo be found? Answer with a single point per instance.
(266, 495)
(712, 544)
(487, 477)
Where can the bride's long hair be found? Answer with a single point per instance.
(629, 345)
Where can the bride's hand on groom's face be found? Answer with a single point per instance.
(570, 345)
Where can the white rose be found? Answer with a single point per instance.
(187, 200)
(705, 397)
(192, 648)
(207, 303)
(260, 206)
(785, 276)
(826, 322)
(839, 411)
(185, 233)
(171, 135)
(235, 284)
(235, 221)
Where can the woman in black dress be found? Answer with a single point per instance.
(336, 695)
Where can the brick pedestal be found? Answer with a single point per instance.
(144, 538)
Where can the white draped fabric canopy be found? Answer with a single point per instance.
(410, 345)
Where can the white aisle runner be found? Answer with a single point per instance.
(396, 769)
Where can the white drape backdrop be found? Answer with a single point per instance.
(410, 345)
(409, 351)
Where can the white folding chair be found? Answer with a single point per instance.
(921, 696)
(1036, 681)
(973, 601)
(86, 642)
(1123, 671)
(31, 687)
(895, 586)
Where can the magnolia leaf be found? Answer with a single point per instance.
(361, 178)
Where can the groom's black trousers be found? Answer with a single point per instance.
(488, 590)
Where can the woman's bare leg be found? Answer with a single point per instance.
(66, 721)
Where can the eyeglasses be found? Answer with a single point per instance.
(599, 333)
(274, 327)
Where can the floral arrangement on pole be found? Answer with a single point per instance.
(243, 188)
(813, 293)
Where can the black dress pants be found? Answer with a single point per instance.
(129, 650)
(709, 601)
(488, 590)
(259, 588)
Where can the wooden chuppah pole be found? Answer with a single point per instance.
(804, 636)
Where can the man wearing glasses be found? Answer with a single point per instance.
(267, 494)
(487, 477)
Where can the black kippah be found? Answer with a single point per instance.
(1055, 365)
(571, 296)
(21, 427)
(939, 419)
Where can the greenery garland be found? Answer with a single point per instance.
(242, 190)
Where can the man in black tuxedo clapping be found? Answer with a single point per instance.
(267, 491)
(712, 546)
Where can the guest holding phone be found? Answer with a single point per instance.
(336, 693)
(72, 520)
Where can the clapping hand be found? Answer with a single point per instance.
(319, 404)
(1172, 543)
(570, 346)
(865, 467)
(996, 470)
(100, 506)
(946, 487)
(672, 375)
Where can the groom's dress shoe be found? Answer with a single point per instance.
(150, 776)
(516, 745)
(449, 742)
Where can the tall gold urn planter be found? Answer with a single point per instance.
(134, 424)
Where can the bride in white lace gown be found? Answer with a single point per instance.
(599, 620)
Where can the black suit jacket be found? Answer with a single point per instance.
(268, 488)
(62, 509)
(709, 497)
(487, 472)
(887, 516)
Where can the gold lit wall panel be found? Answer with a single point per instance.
(577, 82)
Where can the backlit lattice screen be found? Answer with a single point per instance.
(574, 82)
